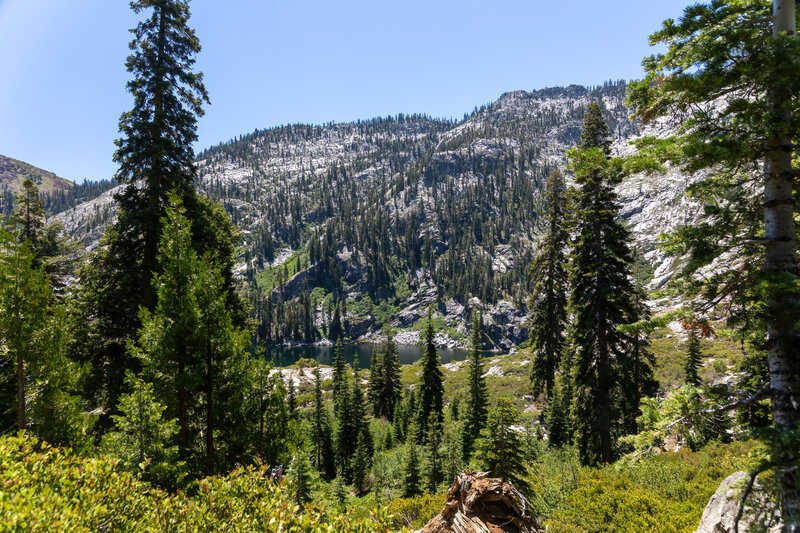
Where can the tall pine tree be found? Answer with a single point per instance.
(155, 156)
(549, 278)
(431, 387)
(603, 296)
(693, 358)
(390, 375)
(191, 349)
(478, 394)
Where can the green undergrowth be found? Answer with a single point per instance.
(720, 356)
(665, 493)
(47, 489)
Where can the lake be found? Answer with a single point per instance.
(287, 355)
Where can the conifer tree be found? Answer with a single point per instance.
(155, 151)
(191, 349)
(270, 406)
(142, 440)
(375, 385)
(31, 326)
(300, 477)
(28, 215)
(317, 441)
(433, 467)
(602, 296)
(362, 458)
(557, 414)
(291, 397)
(478, 394)
(391, 376)
(549, 279)
(155, 156)
(693, 358)
(431, 387)
(346, 437)
(359, 418)
(636, 367)
(500, 449)
(411, 473)
(339, 370)
(49, 249)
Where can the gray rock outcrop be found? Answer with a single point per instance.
(719, 515)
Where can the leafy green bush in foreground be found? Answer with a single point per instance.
(664, 493)
(47, 489)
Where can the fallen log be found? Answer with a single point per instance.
(480, 504)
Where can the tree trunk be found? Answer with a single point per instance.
(780, 263)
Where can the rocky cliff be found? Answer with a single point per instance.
(388, 216)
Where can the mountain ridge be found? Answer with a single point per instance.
(377, 219)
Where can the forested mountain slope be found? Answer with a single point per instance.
(348, 225)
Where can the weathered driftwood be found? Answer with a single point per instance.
(479, 504)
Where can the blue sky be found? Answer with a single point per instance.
(267, 63)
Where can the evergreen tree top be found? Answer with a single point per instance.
(595, 131)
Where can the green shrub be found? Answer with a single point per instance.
(664, 493)
(416, 511)
(47, 489)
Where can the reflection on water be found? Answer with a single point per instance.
(287, 355)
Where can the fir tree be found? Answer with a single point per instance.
(49, 249)
(375, 385)
(190, 347)
(359, 418)
(478, 394)
(693, 358)
(157, 134)
(557, 414)
(602, 297)
(411, 473)
(155, 156)
(346, 437)
(500, 449)
(431, 387)
(362, 458)
(433, 467)
(268, 403)
(31, 326)
(318, 441)
(300, 477)
(142, 440)
(390, 374)
(339, 370)
(28, 216)
(549, 279)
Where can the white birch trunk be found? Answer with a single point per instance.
(783, 339)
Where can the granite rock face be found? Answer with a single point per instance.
(719, 515)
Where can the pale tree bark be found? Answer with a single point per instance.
(780, 263)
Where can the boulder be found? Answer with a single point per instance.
(720, 513)
(479, 504)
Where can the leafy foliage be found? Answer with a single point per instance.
(48, 489)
